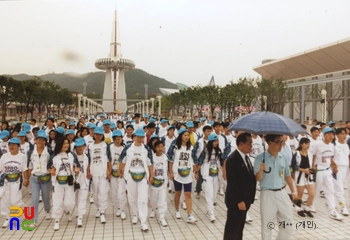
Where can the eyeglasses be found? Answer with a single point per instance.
(279, 142)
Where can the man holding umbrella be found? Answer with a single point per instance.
(272, 170)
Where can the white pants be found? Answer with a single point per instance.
(12, 196)
(343, 173)
(222, 182)
(272, 204)
(118, 192)
(138, 198)
(80, 198)
(100, 189)
(211, 190)
(324, 181)
(339, 187)
(63, 200)
(158, 200)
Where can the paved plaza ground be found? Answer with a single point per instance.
(115, 228)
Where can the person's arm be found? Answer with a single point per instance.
(150, 170)
(170, 166)
(334, 166)
(314, 162)
(88, 174)
(289, 181)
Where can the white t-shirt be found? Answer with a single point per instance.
(138, 125)
(13, 163)
(24, 148)
(4, 147)
(108, 137)
(115, 157)
(96, 162)
(167, 143)
(313, 143)
(293, 144)
(324, 153)
(137, 165)
(184, 164)
(88, 139)
(230, 137)
(162, 131)
(257, 147)
(64, 170)
(341, 154)
(160, 164)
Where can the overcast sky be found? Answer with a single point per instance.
(184, 41)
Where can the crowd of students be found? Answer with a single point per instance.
(139, 160)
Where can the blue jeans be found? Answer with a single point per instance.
(45, 188)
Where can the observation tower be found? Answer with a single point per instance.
(114, 65)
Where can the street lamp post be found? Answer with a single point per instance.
(152, 102)
(159, 105)
(324, 107)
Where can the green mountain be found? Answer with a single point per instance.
(135, 80)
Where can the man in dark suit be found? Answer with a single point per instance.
(241, 185)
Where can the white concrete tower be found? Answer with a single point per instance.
(115, 65)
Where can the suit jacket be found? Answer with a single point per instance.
(241, 184)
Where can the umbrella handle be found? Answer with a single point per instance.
(264, 160)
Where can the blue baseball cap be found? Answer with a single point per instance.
(14, 123)
(189, 124)
(93, 126)
(330, 123)
(71, 123)
(213, 137)
(202, 119)
(4, 133)
(41, 134)
(112, 125)
(15, 141)
(52, 116)
(163, 121)
(60, 130)
(117, 133)
(79, 142)
(70, 131)
(211, 122)
(170, 127)
(98, 130)
(22, 134)
(151, 120)
(106, 122)
(327, 130)
(182, 130)
(27, 128)
(153, 136)
(139, 133)
(145, 115)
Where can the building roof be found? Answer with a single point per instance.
(168, 91)
(325, 59)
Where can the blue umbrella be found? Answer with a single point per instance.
(267, 123)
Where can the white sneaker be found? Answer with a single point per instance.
(191, 219)
(118, 212)
(184, 205)
(48, 216)
(91, 198)
(177, 215)
(6, 223)
(169, 189)
(40, 199)
(163, 222)
(248, 219)
(212, 218)
(336, 216)
(80, 221)
(312, 209)
(56, 226)
(97, 214)
(103, 218)
(144, 227)
(345, 211)
(221, 192)
(153, 214)
(123, 215)
(135, 219)
(32, 225)
(69, 216)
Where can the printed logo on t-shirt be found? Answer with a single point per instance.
(184, 168)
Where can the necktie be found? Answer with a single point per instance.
(249, 166)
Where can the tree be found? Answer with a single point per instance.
(8, 93)
(210, 96)
(275, 93)
(248, 93)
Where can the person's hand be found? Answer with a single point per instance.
(52, 171)
(294, 196)
(77, 170)
(335, 169)
(88, 175)
(26, 183)
(109, 175)
(262, 167)
(241, 206)
(196, 175)
(171, 176)
(224, 174)
(150, 179)
(307, 171)
(121, 173)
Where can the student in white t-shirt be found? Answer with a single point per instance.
(341, 158)
(326, 168)
(13, 167)
(99, 169)
(181, 171)
(157, 190)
